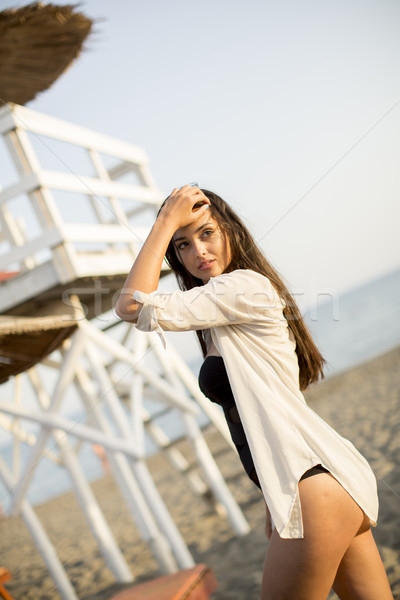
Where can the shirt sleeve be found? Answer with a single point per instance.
(231, 298)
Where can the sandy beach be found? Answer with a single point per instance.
(362, 404)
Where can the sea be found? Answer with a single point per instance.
(349, 330)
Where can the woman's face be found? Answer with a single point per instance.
(202, 248)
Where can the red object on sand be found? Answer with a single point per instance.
(191, 584)
(5, 575)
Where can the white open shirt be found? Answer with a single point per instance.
(286, 437)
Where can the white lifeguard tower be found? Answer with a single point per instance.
(68, 237)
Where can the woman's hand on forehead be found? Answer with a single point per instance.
(184, 206)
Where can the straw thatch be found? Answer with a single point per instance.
(24, 341)
(37, 43)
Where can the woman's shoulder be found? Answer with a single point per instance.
(248, 282)
(245, 276)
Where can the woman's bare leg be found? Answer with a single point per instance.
(361, 574)
(306, 568)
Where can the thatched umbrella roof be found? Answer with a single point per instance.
(37, 43)
(24, 341)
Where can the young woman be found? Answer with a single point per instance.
(320, 493)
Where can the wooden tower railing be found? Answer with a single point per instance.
(68, 226)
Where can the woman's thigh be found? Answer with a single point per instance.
(361, 574)
(305, 568)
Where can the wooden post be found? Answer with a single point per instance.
(41, 541)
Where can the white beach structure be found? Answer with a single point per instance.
(68, 238)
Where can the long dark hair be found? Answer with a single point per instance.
(245, 254)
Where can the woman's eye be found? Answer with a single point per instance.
(205, 233)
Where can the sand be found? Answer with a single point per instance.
(362, 404)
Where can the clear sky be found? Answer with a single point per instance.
(287, 109)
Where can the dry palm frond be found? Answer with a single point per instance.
(37, 43)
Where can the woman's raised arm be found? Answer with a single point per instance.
(144, 275)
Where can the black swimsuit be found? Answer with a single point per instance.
(214, 383)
